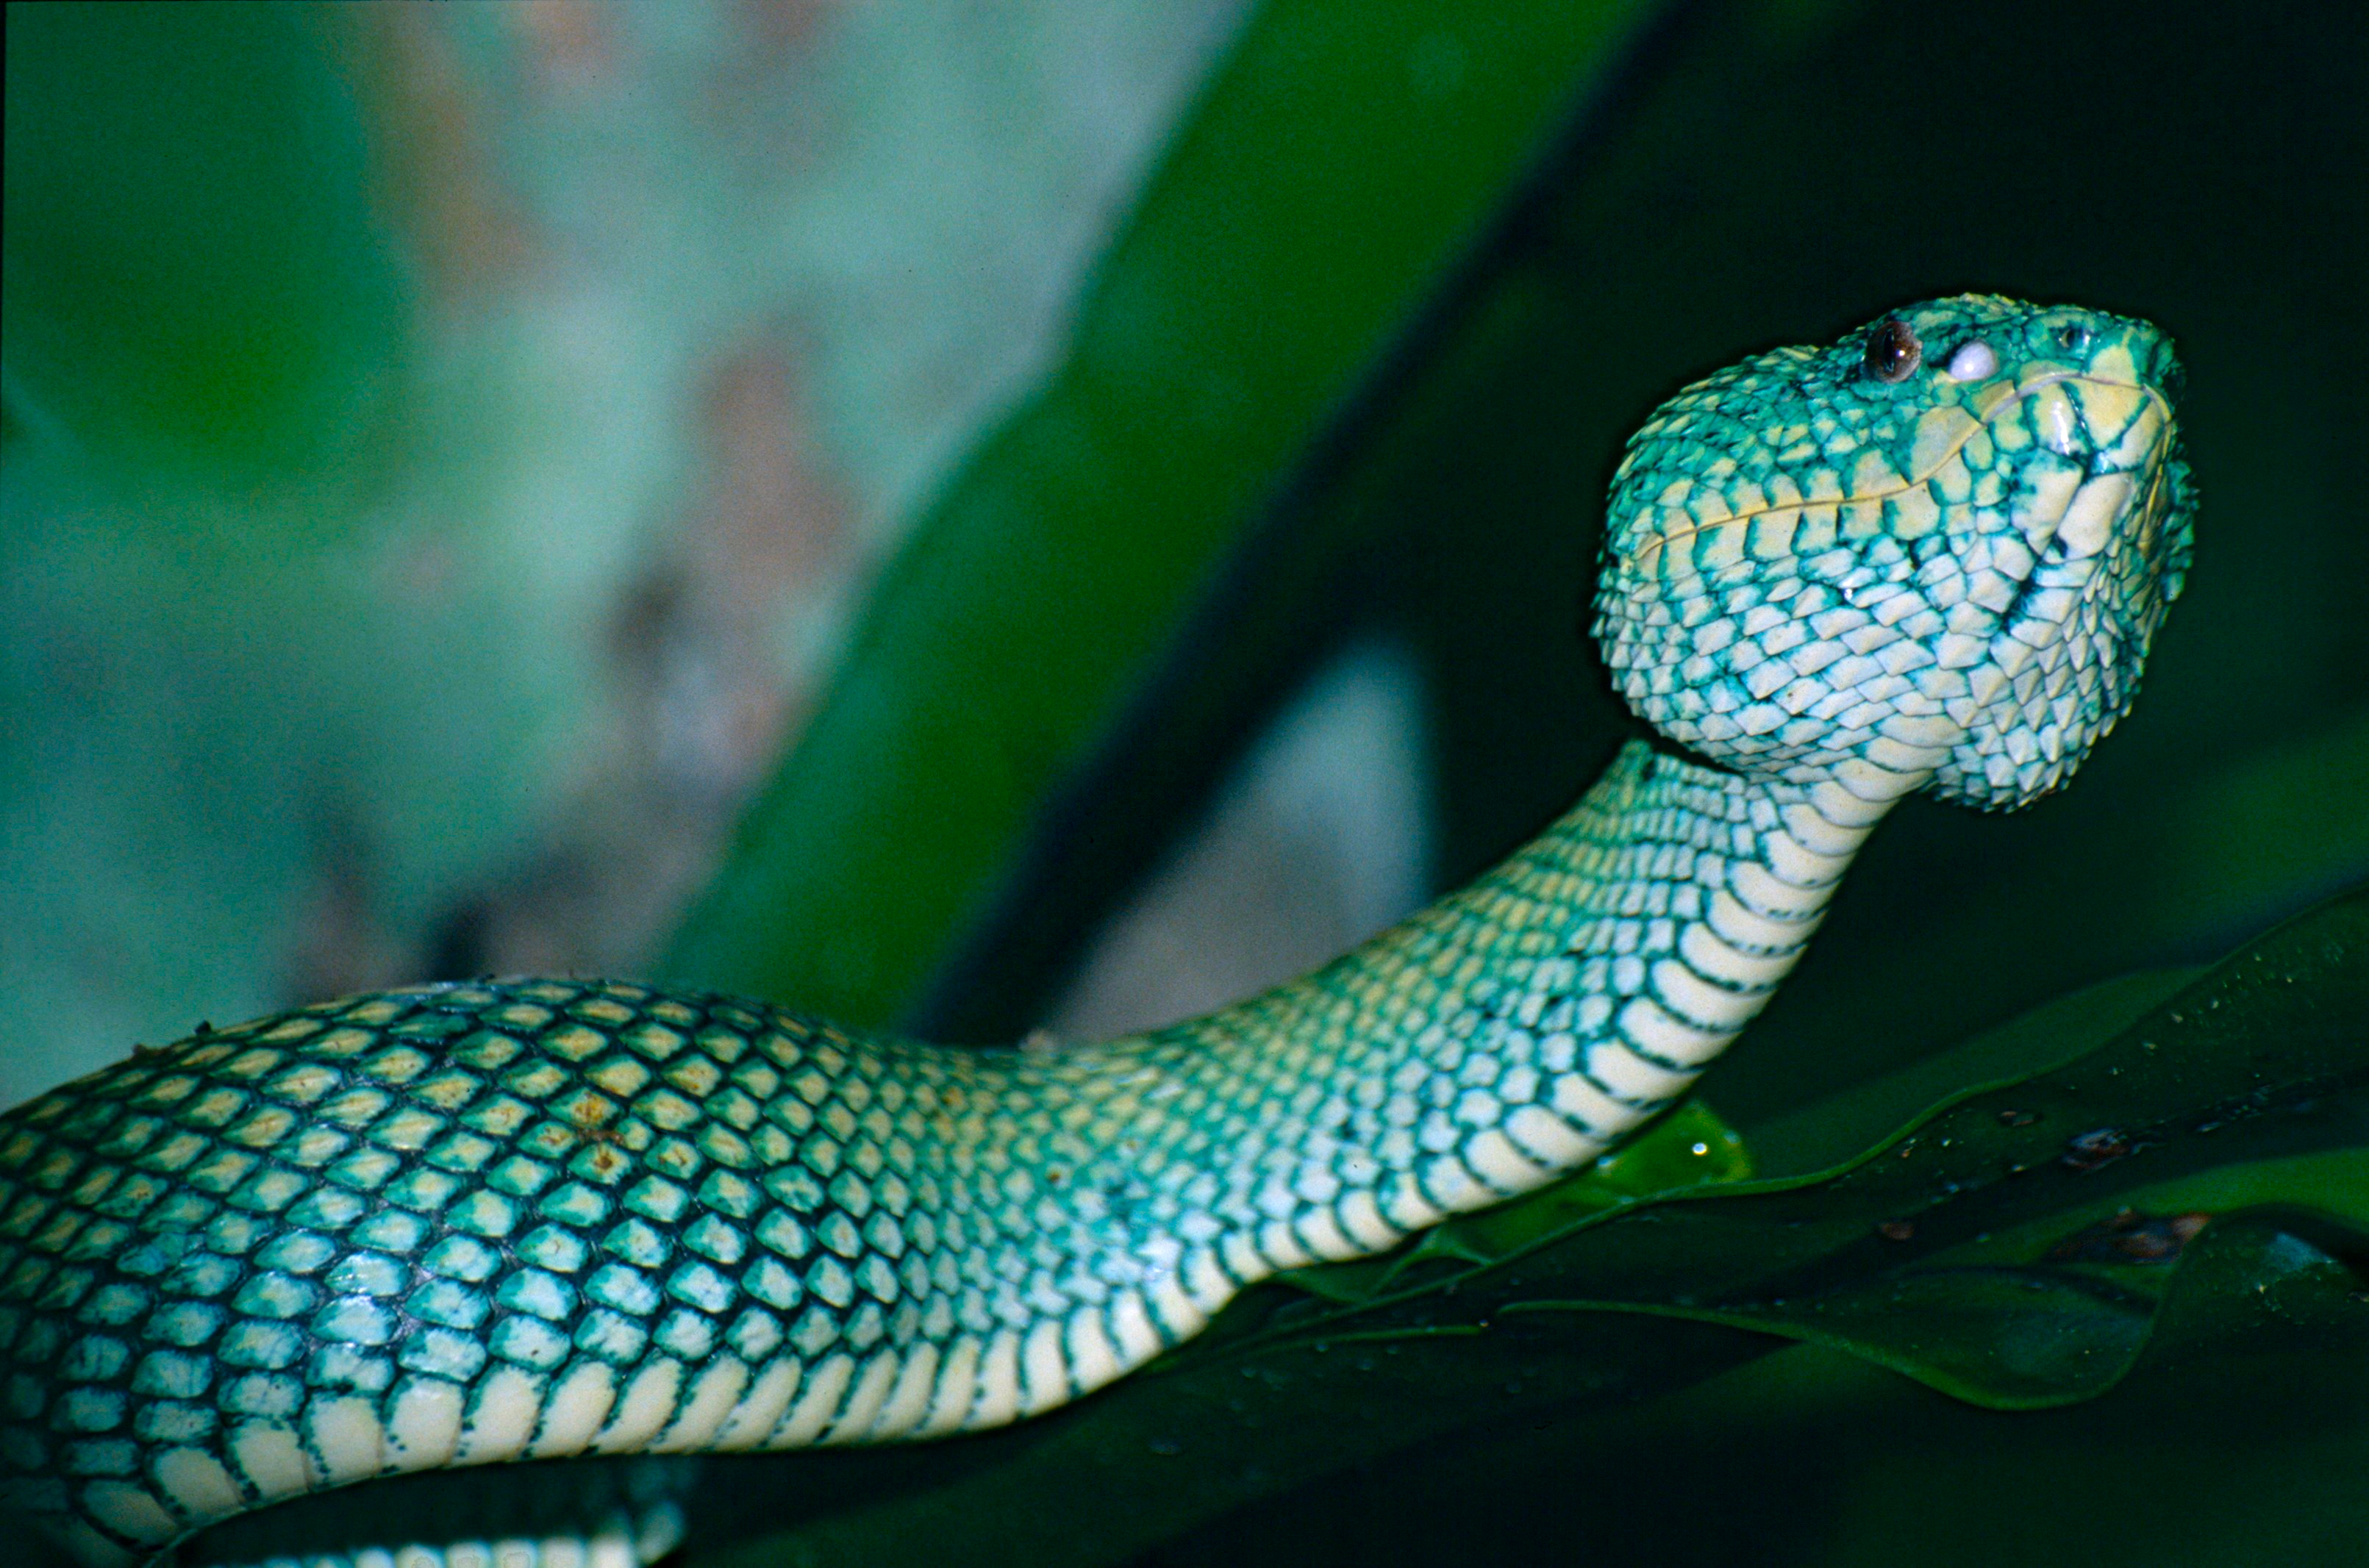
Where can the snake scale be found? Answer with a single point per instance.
(466, 1224)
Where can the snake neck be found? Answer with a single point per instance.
(895, 1239)
(1499, 1038)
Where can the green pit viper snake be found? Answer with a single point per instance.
(466, 1224)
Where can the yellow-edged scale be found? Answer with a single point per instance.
(460, 1226)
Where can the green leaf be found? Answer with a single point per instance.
(1690, 1147)
(2035, 1337)
(1344, 156)
(1883, 1110)
(198, 273)
(1992, 1294)
(1968, 1254)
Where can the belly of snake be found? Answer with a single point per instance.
(470, 1224)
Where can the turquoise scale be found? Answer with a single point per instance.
(459, 1226)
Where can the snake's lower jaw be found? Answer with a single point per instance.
(2111, 550)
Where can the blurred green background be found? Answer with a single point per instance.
(978, 517)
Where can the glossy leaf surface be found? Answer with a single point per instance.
(1999, 1252)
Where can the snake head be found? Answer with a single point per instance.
(1931, 555)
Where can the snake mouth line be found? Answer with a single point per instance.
(2007, 398)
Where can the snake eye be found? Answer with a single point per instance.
(1891, 352)
(2072, 338)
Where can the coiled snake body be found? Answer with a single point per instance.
(461, 1225)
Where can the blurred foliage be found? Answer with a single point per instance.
(1336, 161)
(196, 273)
(376, 605)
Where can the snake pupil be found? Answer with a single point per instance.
(2073, 339)
(1891, 352)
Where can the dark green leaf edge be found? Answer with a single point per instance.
(1293, 1321)
(1616, 1184)
(2121, 1321)
(1286, 1388)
